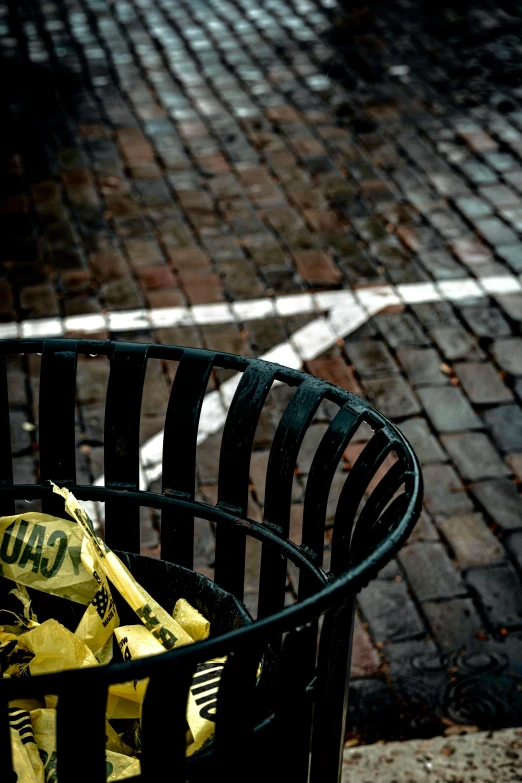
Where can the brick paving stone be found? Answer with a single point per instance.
(498, 590)
(456, 343)
(121, 295)
(430, 572)
(424, 529)
(453, 623)
(365, 658)
(444, 493)
(442, 265)
(392, 396)
(505, 423)
(432, 314)
(512, 254)
(515, 463)
(400, 329)
(371, 358)
(336, 371)
(448, 409)
(317, 268)
(500, 196)
(422, 366)
(514, 547)
(496, 232)
(38, 300)
(390, 612)
(426, 446)
(511, 304)
(485, 321)
(473, 207)
(471, 252)
(471, 540)
(508, 354)
(92, 378)
(482, 383)
(475, 456)
(202, 287)
(501, 501)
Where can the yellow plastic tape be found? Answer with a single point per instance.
(44, 552)
(152, 615)
(118, 765)
(26, 759)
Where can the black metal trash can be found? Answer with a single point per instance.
(288, 724)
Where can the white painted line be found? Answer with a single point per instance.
(294, 304)
(314, 338)
(501, 285)
(376, 298)
(372, 298)
(455, 290)
(325, 300)
(87, 324)
(254, 309)
(9, 331)
(347, 318)
(417, 293)
(43, 327)
(219, 313)
(166, 317)
(129, 320)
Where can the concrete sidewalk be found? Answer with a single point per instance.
(471, 758)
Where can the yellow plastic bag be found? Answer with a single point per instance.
(43, 552)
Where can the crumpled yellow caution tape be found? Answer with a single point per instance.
(29, 647)
(135, 641)
(101, 616)
(26, 758)
(153, 616)
(55, 649)
(192, 621)
(44, 552)
(118, 765)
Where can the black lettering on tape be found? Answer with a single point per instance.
(75, 553)
(19, 540)
(61, 537)
(33, 549)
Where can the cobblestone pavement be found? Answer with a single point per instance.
(162, 156)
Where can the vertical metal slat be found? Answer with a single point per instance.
(294, 705)
(76, 723)
(368, 462)
(234, 471)
(278, 493)
(122, 444)
(164, 724)
(179, 454)
(56, 424)
(322, 471)
(335, 648)
(6, 464)
(235, 715)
